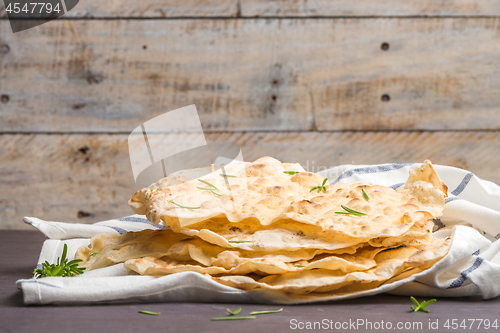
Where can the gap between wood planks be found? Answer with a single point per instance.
(340, 17)
(258, 131)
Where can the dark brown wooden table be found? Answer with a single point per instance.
(19, 253)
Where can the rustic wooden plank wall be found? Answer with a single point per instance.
(256, 74)
(317, 82)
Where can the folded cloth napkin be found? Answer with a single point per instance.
(472, 266)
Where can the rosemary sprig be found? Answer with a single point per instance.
(241, 241)
(300, 266)
(175, 203)
(209, 189)
(350, 211)
(321, 187)
(205, 188)
(421, 306)
(235, 312)
(149, 312)
(265, 312)
(232, 314)
(367, 198)
(61, 268)
(233, 318)
(209, 184)
(291, 172)
(228, 176)
(93, 254)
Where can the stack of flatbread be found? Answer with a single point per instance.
(272, 225)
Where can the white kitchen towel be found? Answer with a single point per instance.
(472, 266)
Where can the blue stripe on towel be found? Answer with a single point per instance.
(461, 187)
(119, 230)
(459, 281)
(449, 199)
(369, 169)
(140, 220)
(133, 219)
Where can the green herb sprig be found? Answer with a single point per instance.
(93, 254)
(228, 176)
(209, 184)
(212, 188)
(265, 312)
(321, 187)
(350, 211)
(291, 172)
(149, 312)
(175, 203)
(367, 198)
(235, 312)
(209, 189)
(421, 306)
(61, 268)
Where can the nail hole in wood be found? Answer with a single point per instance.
(94, 78)
(273, 97)
(384, 46)
(79, 106)
(385, 98)
(5, 99)
(81, 214)
(144, 47)
(5, 48)
(275, 81)
(84, 150)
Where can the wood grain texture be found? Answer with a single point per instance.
(150, 9)
(86, 178)
(253, 75)
(320, 8)
(278, 8)
(156, 8)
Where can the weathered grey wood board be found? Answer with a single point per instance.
(254, 74)
(151, 8)
(280, 8)
(319, 8)
(86, 178)
(156, 8)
